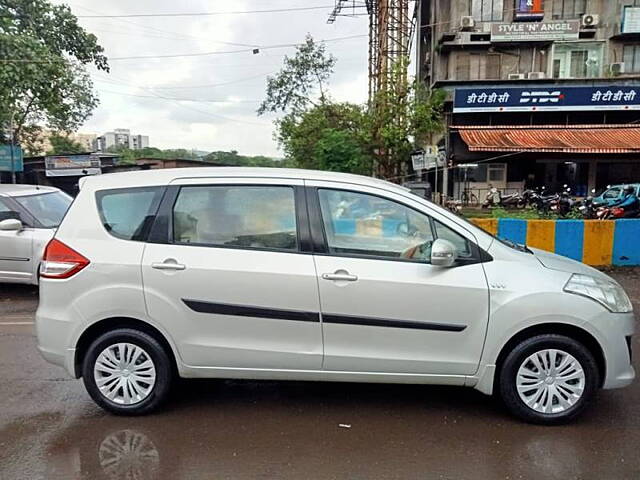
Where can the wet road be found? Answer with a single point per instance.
(49, 428)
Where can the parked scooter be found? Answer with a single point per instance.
(496, 199)
(454, 206)
(493, 199)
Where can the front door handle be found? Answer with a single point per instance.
(340, 277)
(170, 265)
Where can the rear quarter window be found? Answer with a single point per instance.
(128, 213)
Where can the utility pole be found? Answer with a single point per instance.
(12, 146)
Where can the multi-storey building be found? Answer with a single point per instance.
(540, 92)
(121, 137)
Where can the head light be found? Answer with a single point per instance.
(606, 292)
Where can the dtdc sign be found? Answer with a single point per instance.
(469, 100)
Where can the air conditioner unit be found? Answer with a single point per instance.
(467, 23)
(536, 75)
(517, 76)
(590, 21)
(617, 68)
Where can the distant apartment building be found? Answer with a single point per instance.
(87, 140)
(41, 142)
(540, 92)
(121, 137)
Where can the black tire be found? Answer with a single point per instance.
(156, 353)
(508, 373)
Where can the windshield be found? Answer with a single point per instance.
(48, 208)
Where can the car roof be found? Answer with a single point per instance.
(166, 176)
(18, 190)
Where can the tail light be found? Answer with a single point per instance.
(60, 261)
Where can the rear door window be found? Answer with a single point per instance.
(240, 216)
(129, 213)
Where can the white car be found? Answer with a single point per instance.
(301, 275)
(29, 215)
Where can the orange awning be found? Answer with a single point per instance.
(553, 138)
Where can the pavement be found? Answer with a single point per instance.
(50, 428)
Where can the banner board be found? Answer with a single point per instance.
(5, 158)
(536, 31)
(548, 98)
(72, 165)
(529, 11)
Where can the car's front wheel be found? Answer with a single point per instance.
(127, 372)
(548, 379)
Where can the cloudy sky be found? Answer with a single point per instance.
(222, 90)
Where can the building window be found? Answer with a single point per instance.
(631, 58)
(487, 10)
(569, 9)
(479, 66)
(577, 60)
(497, 172)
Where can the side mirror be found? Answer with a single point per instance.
(10, 225)
(443, 253)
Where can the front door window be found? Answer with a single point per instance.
(362, 225)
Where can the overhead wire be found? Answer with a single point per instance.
(209, 14)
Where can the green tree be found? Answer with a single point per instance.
(234, 158)
(401, 118)
(301, 79)
(313, 138)
(315, 132)
(43, 76)
(61, 144)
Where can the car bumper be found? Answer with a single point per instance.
(615, 332)
(53, 336)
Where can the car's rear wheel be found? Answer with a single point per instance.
(548, 379)
(127, 372)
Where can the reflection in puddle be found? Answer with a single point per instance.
(128, 454)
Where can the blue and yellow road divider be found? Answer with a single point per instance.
(594, 242)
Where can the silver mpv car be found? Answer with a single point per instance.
(302, 275)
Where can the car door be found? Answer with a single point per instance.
(232, 282)
(16, 248)
(385, 309)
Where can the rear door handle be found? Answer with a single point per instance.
(339, 277)
(168, 265)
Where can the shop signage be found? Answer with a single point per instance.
(72, 165)
(553, 98)
(427, 159)
(529, 11)
(631, 20)
(535, 31)
(5, 158)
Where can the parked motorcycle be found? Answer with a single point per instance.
(610, 213)
(542, 201)
(562, 204)
(588, 208)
